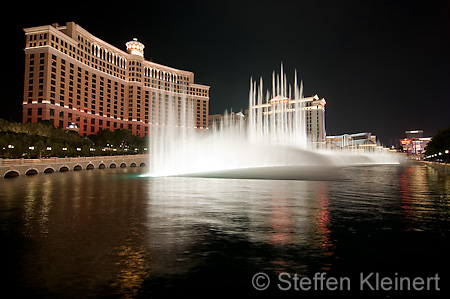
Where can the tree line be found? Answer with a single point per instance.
(40, 140)
(439, 146)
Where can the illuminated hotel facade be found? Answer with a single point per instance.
(414, 144)
(74, 78)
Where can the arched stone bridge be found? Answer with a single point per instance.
(15, 167)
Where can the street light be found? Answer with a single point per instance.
(31, 148)
(10, 146)
(446, 151)
(49, 148)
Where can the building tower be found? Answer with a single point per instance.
(135, 48)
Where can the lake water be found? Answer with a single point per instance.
(112, 234)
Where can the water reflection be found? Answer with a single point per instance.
(424, 192)
(134, 270)
(281, 222)
(110, 233)
(324, 219)
(184, 213)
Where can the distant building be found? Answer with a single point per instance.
(74, 77)
(357, 140)
(215, 119)
(414, 134)
(315, 118)
(414, 143)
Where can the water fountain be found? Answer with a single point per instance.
(270, 144)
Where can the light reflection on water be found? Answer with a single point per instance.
(110, 233)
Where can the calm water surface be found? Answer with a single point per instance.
(112, 234)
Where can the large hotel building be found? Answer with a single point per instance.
(73, 78)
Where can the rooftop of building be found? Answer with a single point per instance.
(134, 50)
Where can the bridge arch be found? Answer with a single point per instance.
(142, 164)
(11, 174)
(133, 164)
(90, 166)
(49, 170)
(112, 165)
(31, 171)
(101, 166)
(63, 168)
(77, 167)
(123, 165)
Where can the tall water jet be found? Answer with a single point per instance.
(280, 120)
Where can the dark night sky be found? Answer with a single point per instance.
(383, 66)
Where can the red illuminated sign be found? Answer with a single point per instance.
(405, 141)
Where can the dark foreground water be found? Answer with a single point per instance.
(112, 234)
